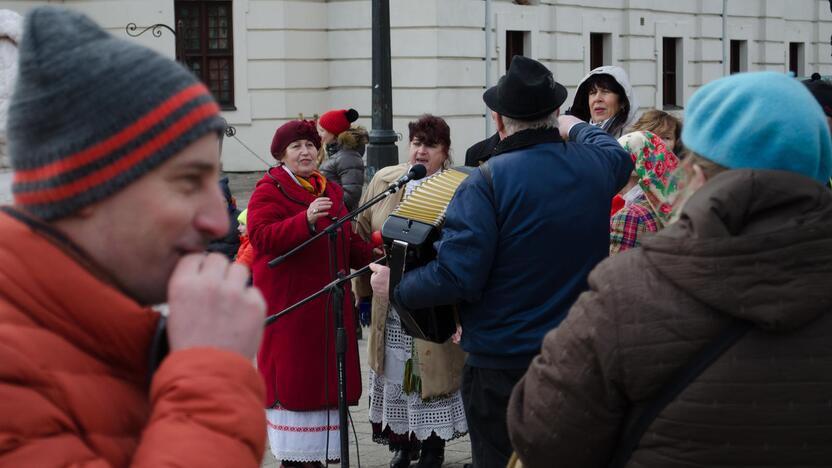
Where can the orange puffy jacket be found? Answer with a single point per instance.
(73, 364)
(245, 255)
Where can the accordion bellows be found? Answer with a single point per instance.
(409, 235)
(428, 201)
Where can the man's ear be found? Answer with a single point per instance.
(501, 126)
(557, 112)
(80, 226)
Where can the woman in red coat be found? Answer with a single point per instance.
(290, 204)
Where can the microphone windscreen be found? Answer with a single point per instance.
(418, 171)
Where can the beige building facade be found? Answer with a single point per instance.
(303, 57)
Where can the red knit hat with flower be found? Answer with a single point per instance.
(293, 131)
(338, 120)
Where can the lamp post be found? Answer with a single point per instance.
(489, 46)
(382, 151)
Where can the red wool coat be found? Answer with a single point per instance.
(297, 356)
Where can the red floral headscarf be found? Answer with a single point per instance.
(654, 164)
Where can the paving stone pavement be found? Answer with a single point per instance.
(242, 184)
(373, 455)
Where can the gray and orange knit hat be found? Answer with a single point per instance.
(92, 113)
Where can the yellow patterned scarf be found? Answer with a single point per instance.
(314, 184)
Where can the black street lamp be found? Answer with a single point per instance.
(382, 151)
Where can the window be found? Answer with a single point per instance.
(516, 44)
(206, 45)
(739, 57)
(671, 81)
(797, 64)
(600, 48)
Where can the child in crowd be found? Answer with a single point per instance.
(666, 126)
(245, 254)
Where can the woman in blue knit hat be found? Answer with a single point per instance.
(710, 344)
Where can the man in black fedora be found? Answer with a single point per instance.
(520, 237)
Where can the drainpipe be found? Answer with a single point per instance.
(489, 47)
(726, 65)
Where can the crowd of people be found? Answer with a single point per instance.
(629, 290)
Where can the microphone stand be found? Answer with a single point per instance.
(337, 290)
(334, 284)
(393, 188)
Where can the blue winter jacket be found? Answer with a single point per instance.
(516, 254)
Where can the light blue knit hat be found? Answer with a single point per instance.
(761, 120)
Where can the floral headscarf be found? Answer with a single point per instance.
(654, 164)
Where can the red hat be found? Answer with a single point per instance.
(338, 120)
(293, 131)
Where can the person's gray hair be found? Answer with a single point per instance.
(513, 125)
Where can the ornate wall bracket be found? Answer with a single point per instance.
(155, 29)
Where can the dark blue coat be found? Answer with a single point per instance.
(230, 242)
(515, 255)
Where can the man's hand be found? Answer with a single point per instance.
(380, 281)
(565, 123)
(211, 305)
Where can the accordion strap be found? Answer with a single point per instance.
(396, 261)
(485, 169)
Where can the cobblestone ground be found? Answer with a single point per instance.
(457, 452)
(242, 184)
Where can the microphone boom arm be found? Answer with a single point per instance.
(415, 173)
(335, 225)
(334, 284)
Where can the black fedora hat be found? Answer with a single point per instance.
(528, 91)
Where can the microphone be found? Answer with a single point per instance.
(415, 173)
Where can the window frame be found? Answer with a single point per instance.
(796, 62)
(515, 41)
(670, 70)
(205, 54)
(600, 49)
(737, 56)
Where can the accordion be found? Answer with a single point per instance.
(409, 233)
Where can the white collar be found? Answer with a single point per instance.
(291, 174)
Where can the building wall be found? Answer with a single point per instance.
(303, 57)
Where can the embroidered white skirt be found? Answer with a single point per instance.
(302, 435)
(407, 414)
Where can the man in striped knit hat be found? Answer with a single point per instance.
(116, 157)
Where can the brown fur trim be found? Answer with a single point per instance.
(353, 138)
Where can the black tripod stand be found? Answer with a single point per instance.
(336, 288)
